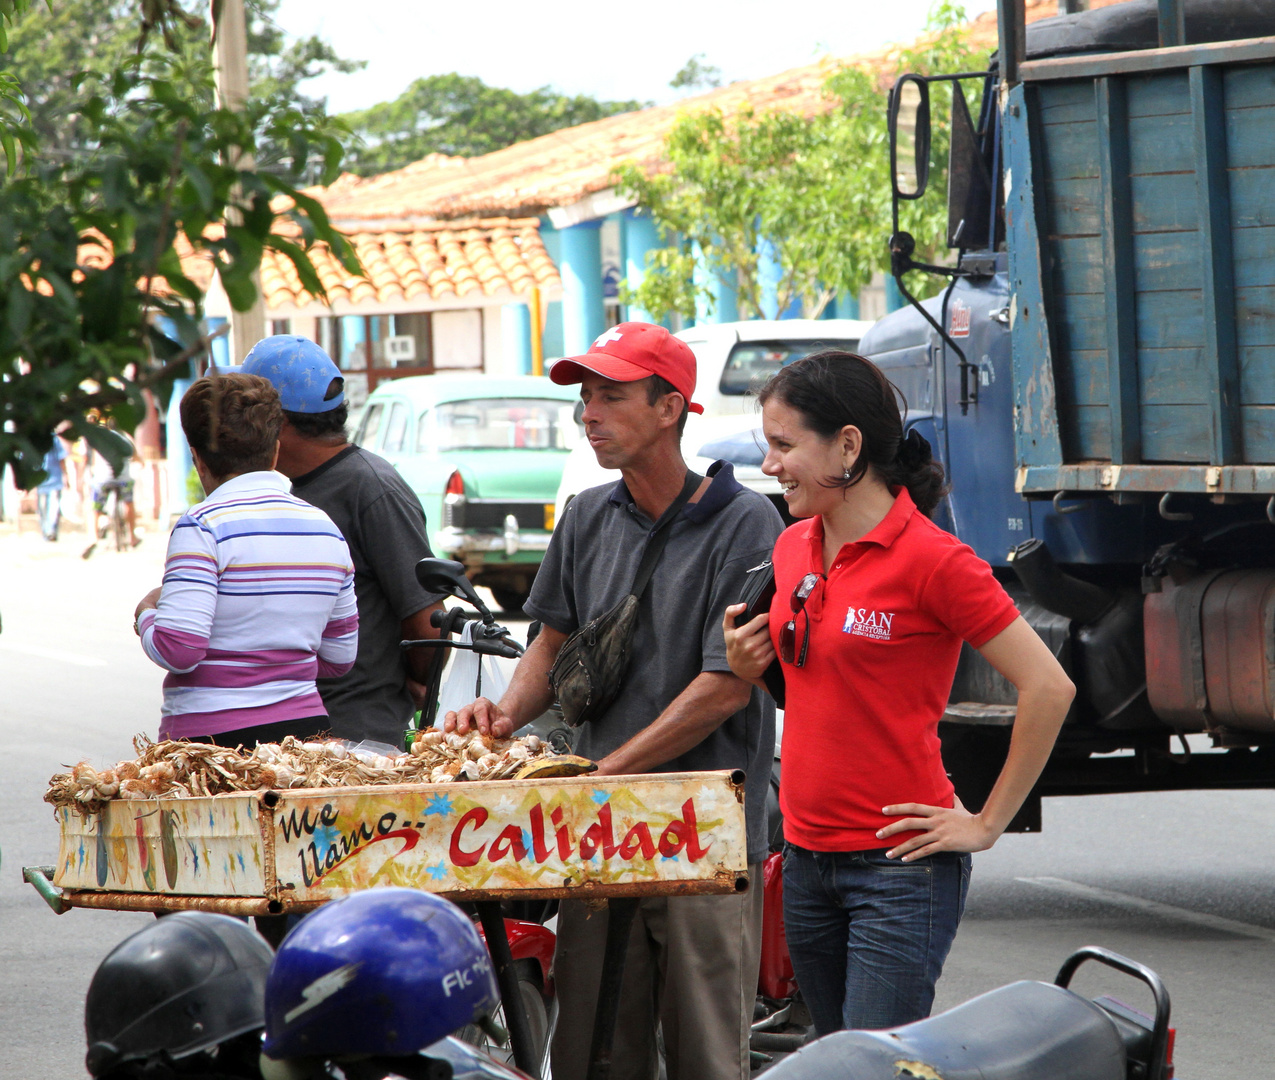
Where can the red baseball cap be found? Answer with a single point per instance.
(633, 351)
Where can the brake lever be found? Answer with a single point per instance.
(496, 648)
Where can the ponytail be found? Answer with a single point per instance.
(914, 468)
(833, 389)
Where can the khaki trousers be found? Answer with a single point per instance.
(691, 968)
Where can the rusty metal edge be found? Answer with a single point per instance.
(725, 883)
(267, 801)
(223, 905)
(727, 776)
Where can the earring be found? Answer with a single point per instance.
(845, 474)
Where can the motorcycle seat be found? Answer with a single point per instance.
(1024, 1031)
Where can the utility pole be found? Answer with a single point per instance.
(230, 68)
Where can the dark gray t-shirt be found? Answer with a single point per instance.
(384, 525)
(589, 568)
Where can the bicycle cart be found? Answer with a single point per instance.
(613, 839)
(279, 852)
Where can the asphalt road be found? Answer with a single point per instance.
(1184, 882)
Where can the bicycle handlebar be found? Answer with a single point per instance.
(496, 647)
(489, 640)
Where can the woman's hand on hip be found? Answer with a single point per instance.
(938, 829)
(748, 648)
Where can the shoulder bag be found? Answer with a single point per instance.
(591, 665)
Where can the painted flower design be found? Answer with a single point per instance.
(708, 797)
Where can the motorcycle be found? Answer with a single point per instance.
(1028, 1030)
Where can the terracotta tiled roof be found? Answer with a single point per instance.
(565, 166)
(554, 169)
(441, 264)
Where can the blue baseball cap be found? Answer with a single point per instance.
(304, 375)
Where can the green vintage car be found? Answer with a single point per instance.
(484, 454)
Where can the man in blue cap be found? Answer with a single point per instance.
(383, 524)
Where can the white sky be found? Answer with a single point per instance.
(611, 51)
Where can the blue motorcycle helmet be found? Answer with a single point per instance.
(383, 973)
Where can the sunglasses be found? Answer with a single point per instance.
(788, 636)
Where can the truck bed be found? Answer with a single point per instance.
(1141, 212)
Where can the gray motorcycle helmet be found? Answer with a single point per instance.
(186, 983)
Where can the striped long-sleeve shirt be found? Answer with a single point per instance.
(257, 601)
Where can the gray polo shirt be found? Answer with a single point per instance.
(589, 568)
(384, 525)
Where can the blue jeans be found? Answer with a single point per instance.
(48, 502)
(868, 935)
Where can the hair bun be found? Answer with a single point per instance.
(914, 450)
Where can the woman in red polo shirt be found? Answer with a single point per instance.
(872, 603)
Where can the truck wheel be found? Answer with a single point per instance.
(510, 599)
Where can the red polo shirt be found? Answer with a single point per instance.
(861, 722)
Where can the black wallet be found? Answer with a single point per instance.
(759, 591)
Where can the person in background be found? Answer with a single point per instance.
(382, 521)
(872, 603)
(75, 502)
(692, 961)
(105, 478)
(258, 593)
(48, 494)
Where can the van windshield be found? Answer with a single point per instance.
(751, 363)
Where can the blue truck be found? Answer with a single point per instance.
(1098, 378)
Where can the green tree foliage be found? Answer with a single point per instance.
(815, 190)
(697, 74)
(461, 115)
(88, 266)
(65, 54)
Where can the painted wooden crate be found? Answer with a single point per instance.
(590, 835)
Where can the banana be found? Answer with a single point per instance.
(562, 765)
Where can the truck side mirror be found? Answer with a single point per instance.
(909, 121)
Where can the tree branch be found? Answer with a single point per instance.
(149, 378)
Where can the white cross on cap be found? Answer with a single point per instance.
(610, 335)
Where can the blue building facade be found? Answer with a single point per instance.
(571, 325)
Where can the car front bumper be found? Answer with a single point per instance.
(511, 541)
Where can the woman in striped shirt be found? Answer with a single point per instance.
(258, 592)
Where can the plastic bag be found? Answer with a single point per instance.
(468, 676)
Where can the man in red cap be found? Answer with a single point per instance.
(692, 963)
